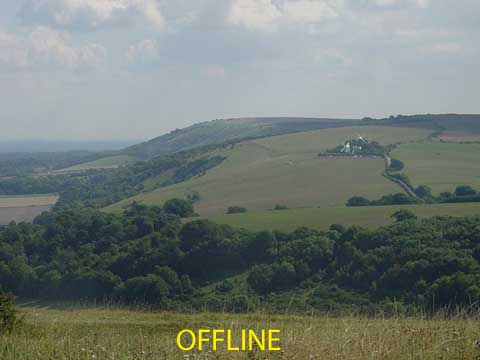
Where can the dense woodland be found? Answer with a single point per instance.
(147, 255)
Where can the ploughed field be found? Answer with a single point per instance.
(24, 208)
(286, 169)
(53, 333)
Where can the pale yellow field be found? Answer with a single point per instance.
(110, 162)
(22, 201)
(24, 208)
(287, 169)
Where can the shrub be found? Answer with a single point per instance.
(358, 201)
(236, 210)
(465, 190)
(224, 287)
(402, 215)
(8, 314)
(423, 191)
(280, 207)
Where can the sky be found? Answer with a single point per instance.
(135, 69)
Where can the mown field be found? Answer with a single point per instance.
(104, 163)
(24, 208)
(286, 169)
(75, 334)
(322, 218)
(442, 166)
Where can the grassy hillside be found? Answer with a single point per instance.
(451, 127)
(321, 218)
(109, 333)
(218, 131)
(286, 169)
(442, 166)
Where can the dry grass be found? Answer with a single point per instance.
(28, 200)
(120, 334)
(24, 208)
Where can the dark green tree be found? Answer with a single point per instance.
(179, 207)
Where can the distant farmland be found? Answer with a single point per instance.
(286, 169)
(24, 208)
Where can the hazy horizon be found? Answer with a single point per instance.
(137, 69)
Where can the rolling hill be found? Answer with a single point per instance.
(286, 169)
(218, 131)
(450, 127)
(204, 134)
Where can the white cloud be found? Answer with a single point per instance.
(253, 14)
(266, 15)
(215, 71)
(418, 3)
(310, 11)
(46, 47)
(12, 52)
(92, 14)
(145, 51)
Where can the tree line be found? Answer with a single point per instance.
(461, 194)
(148, 255)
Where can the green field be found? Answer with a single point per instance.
(104, 163)
(286, 169)
(81, 334)
(322, 218)
(442, 166)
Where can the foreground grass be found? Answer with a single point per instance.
(121, 334)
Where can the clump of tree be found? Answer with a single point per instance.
(396, 165)
(424, 192)
(461, 194)
(236, 210)
(180, 207)
(392, 199)
(280, 207)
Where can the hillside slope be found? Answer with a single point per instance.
(218, 131)
(452, 127)
(286, 169)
